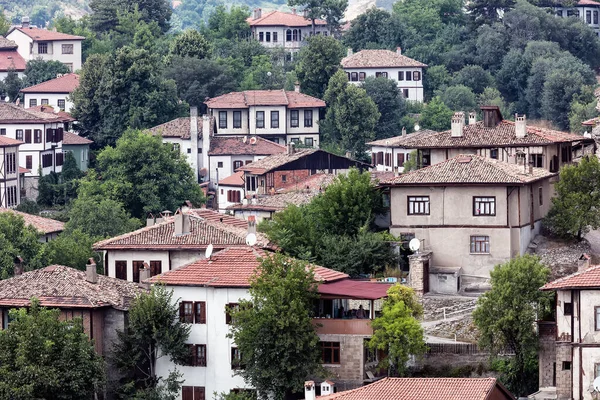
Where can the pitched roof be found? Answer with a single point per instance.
(214, 216)
(255, 145)
(588, 278)
(588, 3)
(11, 59)
(62, 115)
(231, 267)
(503, 134)
(7, 44)
(379, 59)
(7, 142)
(277, 160)
(277, 202)
(203, 231)
(40, 34)
(41, 224)
(62, 84)
(402, 140)
(423, 389)
(10, 113)
(469, 168)
(280, 18)
(237, 179)
(179, 128)
(249, 98)
(60, 286)
(70, 138)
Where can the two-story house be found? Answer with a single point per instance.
(10, 59)
(55, 92)
(389, 155)
(278, 115)
(500, 139)
(569, 358)
(585, 10)
(10, 184)
(405, 71)
(470, 212)
(206, 288)
(41, 134)
(37, 43)
(285, 30)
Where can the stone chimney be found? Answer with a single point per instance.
(252, 224)
(309, 390)
(294, 10)
(145, 274)
(297, 87)
(150, 219)
(399, 50)
(206, 131)
(18, 266)
(182, 222)
(290, 148)
(472, 118)
(403, 131)
(458, 123)
(25, 22)
(349, 52)
(520, 126)
(91, 274)
(257, 13)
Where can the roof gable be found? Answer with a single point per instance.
(39, 34)
(254, 145)
(41, 224)
(280, 18)
(11, 59)
(379, 59)
(71, 139)
(588, 279)
(66, 83)
(13, 113)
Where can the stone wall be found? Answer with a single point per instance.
(113, 320)
(563, 376)
(416, 277)
(350, 371)
(547, 353)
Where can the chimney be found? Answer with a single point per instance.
(294, 10)
(182, 223)
(18, 270)
(257, 13)
(150, 219)
(327, 388)
(491, 116)
(290, 148)
(472, 118)
(252, 224)
(399, 50)
(91, 274)
(25, 22)
(583, 263)
(309, 390)
(297, 87)
(305, 13)
(530, 169)
(145, 274)
(458, 122)
(520, 126)
(348, 154)
(206, 132)
(349, 52)
(403, 131)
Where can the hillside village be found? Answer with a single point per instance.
(299, 205)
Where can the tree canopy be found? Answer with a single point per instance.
(317, 63)
(390, 104)
(19, 240)
(38, 71)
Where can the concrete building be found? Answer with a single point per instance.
(10, 184)
(389, 155)
(10, 59)
(41, 44)
(499, 139)
(569, 357)
(585, 10)
(55, 93)
(471, 213)
(79, 147)
(48, 228)
(205, 288)
(284, 30)
(405, 71)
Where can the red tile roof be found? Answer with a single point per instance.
(7, 142)
(70, 138)
(232, 267)
(426, 389)
(214, 216)
(250, 98)
(179, 128)
(379, 59)
(63, 84)
(60, 286)
(402, 140)
(11, 59)
(7, 44)
(11, 113)
(236, 179)
(279, 18)
(586, 279)
(470, 168)
(254, 145)
(44, 34)
(64, 116)
(267, 164)
(24, 170)
(588, 3)
(43, 225)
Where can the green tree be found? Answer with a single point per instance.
(331, 11)
(397, 331)
(190, 43)
(317, 63)
(154, 331)
(506, 316)
(224, 23)
(512, 76)
(264, 74)
(559, 90)
(70, 170)
(273, 330)
(375, 28)
(12, 85)
(19, 240)
(492, 97)
(435, 78)
(436, 116)
(489, 11)
(459, 98)
(97, 216)
(72, 249)
(581, 110)
(104, 13)
(38, 71)
(43, 357)
(4, 24)
(390, 103)
(574, 208)
(412, 162)
(474, 77)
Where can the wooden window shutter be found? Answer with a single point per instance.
(200, 312)
(59, 135)
(181, 311)
(199, 393)
(187, 393)
(193, 358)
(229, 196)
(48, 135)
(238, 197)
(374, 158)
(27, 135)
(227, 315)
(400, 159)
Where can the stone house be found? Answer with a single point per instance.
(205, 288)
(470, 213)
(55, 92)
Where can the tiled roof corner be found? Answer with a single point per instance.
(13, 113)
(239, 100)
(254, 145)
(280, 18)
(62, 84)
(11, 59)
(588, 278)
(40, 34)
(41, 224)
(70, 138)
(237, 179)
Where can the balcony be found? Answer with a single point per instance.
(343, 326)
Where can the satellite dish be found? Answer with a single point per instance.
(56, 109)
(253, 140)
(245, 139)
(6, 99)
(251, 239)
(597, 384)
(417, 127)
(414, 244)
(209, 250)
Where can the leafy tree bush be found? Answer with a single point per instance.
(97, 216)
(475, 78)
(436, 116)
(390, 104)
(38, 71)
(19, 239)
(190, 43)
(317, 63)
(72, 249)
(459, 98)
(373, 29)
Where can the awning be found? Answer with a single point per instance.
(352, 289)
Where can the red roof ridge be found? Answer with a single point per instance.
(555, 284)
(61, 84)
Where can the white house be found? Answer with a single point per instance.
(55, 92)
(278, 115)
(389, 155)
(206, 289)
(285, 30)
(10, 59)
(37, 43)
(405, 71)
(10, 184)
(41, 134)
(585, 10)
(231, 191)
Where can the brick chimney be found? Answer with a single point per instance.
(257, 13)
(403, 131)
(18, 266)
(305, 13)
(91, 274)
(182, 222)
(472, 118)
(458, 123)
(150, 219)
(309, 390)
(520, 126)
(145, 274)
(294, 10)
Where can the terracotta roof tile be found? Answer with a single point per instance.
(588, 3)
(60, 286)
(43, 225)
(589, 278)
(277, 160)
(315, 182)
(11, 59)
(179, 128)
(7, 44)
(6, 141)
(469, 168)
(44, 34)
(63, 84)
(12, 113)
(214, 216)
(70, 138)
(236, 179)
(279, 18)
(379, 59)
(254, 145)
(401, 141)
(62, 115)
(24, 170)
(277, 202)
(232, 267)
(250, 98)
(423, 389)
